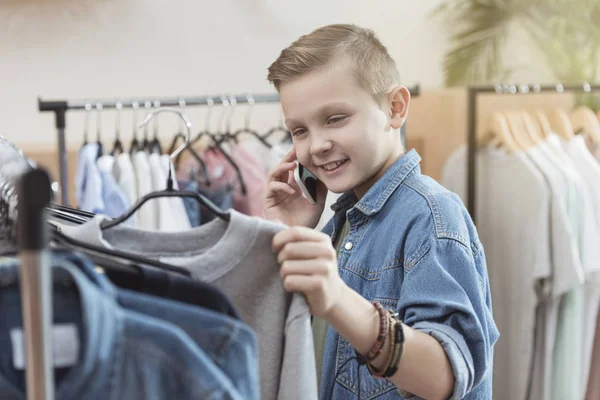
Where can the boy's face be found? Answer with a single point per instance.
(340, 133)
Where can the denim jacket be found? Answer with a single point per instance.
(122, 354)
(413, 247)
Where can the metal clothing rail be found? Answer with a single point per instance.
(503, 89)
(60, 108)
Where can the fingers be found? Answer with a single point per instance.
(275, 187)
(281, 172)
(304, 251)
(297, 234)
(290, 156)
(303, 267)
(302, 284)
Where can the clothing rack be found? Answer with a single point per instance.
(503, 89)
(60, 108)
(35, 275)
(24, 194)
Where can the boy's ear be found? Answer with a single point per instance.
(399, 99)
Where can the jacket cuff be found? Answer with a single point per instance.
(457, 352)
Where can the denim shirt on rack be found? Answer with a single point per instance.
(413, 247)
(122, 354)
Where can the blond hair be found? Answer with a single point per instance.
(373, 67)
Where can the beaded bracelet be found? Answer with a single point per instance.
(396, 350)
(374, 371)
(384, 323)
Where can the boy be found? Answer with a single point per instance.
(401, 240)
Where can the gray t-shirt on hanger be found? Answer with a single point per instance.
(235, 256)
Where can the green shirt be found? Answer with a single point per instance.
(319, 325)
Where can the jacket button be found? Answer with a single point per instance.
(348, 246)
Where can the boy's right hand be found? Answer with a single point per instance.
(284, 201)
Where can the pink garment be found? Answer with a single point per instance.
(593, 385)
(221, 172)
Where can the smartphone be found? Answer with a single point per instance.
(307, 183)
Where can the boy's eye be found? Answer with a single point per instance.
(336, 119)
(297, 132)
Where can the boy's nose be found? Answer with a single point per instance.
(320, 146)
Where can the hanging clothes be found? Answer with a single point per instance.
(88, 182)
(566, 311)
(171, 215)
(126, 179)
(107, 350)
(235, 256)
(511, 193)
(96, 189)
(148, 212)
(115, 200)
(223, 174)
(589, 170)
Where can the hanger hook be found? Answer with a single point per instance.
(181, 115)
(182, 105)
(135, 105)
(98, 121)
(119, 107)
(225, 104)
(233, 103)
(210, 102)
(155, 123)
(250, 100)
(147, 105)
(86, 125)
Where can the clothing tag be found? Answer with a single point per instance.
(65, 346)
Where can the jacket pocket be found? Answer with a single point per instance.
(370, 387)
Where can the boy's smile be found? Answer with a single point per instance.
(340, 132)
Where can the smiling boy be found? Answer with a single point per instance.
(397, 282)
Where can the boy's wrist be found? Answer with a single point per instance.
(355, 319)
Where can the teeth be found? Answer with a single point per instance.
(332, 165)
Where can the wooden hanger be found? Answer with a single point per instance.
(561, 124)
(518, 129)
(532, 127)
(543, 122)
(585, 121)
(499, 132)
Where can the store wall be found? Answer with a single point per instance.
(106, 48)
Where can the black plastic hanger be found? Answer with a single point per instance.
(117, 145)
(194, 155)
(59, 237)
(280, 128)
(246, 128)
(135, 143)
(146, 142)
(86, 124)
(155, 146)
(169, 191)
(188, 148)
(74, 211)
(100, 151)
(217, 141)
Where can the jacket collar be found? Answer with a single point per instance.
(376, 197)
